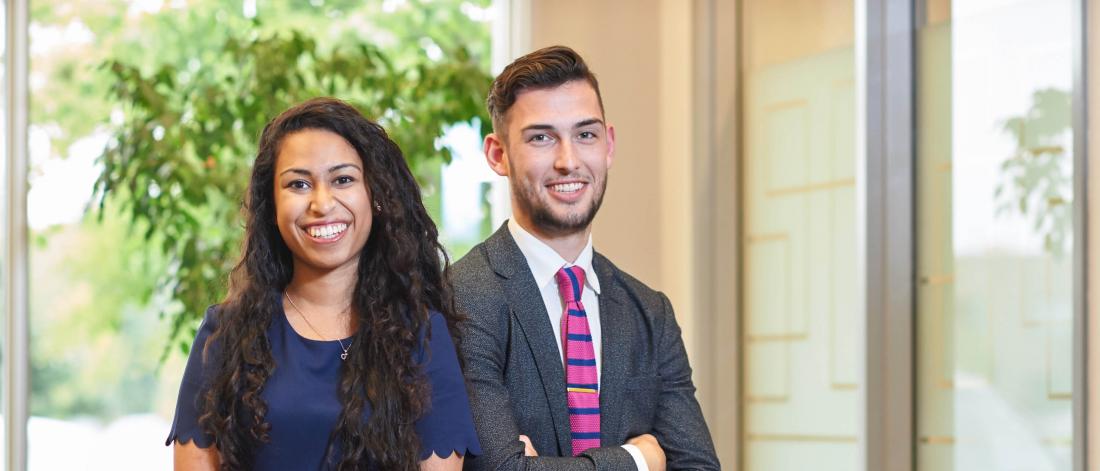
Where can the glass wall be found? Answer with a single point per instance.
(995, 235)
(800, 307)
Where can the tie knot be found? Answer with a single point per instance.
(570, 283)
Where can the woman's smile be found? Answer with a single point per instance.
(326, 233)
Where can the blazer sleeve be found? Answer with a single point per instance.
(485, 349)
(679, 425)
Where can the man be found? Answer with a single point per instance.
(571, 363)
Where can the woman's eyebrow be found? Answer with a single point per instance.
(342, 166)
(299, 171)
(332, 169)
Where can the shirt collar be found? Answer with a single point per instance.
(544, 262)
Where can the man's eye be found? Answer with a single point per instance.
(588, 135)
(539, 138)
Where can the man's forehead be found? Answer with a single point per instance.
(572, 86)
(565, 105)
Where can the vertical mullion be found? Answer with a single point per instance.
(886, 42)
(1080, 235)
(15, 348)
(1090, 324)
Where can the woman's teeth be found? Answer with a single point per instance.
(327, 231)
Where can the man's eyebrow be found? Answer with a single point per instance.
(547, 127)
(537, 127)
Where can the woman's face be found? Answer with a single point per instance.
(322, 203)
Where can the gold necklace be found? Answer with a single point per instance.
(344, 355)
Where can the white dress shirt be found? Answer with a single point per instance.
(544, 263)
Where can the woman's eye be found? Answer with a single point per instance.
(298, 185)
(343, 180)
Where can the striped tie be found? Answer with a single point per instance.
(582, 388)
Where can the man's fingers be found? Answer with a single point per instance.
(651, 450)
(528, 448)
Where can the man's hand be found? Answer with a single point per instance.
(529, 449)
(651, 450)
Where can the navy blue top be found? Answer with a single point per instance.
(303, 405)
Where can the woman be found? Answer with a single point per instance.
(333, 347)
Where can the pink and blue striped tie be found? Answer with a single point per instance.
(582, 391)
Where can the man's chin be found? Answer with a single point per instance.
(563, 224)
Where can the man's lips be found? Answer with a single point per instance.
(569, 191)
(567, 187)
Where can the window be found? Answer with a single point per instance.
(104, 375)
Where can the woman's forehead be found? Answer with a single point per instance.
(316, 150)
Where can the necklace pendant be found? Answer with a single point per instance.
(344, 356)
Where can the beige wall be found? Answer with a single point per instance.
(619, 44)
(937, 11)
(793, 29)
(667, 78)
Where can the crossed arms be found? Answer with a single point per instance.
(678, 430)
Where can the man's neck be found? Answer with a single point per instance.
(568, 246)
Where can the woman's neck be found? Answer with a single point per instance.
(327, 292)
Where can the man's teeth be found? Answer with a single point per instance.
(567, 187)
(328, 231)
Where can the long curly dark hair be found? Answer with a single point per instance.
(403, 273)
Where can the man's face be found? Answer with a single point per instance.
(555, 153)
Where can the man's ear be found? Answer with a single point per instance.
(494, 154)
(610, 144)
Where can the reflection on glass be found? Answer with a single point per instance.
(801, 366)
(995, 297)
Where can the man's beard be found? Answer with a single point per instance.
(546, 221)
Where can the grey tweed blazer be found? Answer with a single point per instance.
(517, 381)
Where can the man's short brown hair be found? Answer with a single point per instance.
(548, 67)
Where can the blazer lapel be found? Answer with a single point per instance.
(614, 322)
(527, 306)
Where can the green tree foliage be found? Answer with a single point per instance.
(95, 347)
(178, 165)
(106, 66)
(73, 101)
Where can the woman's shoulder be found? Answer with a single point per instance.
(434, 334)
(210, 317)
(436, 319)
(437, 326)
(209, 324)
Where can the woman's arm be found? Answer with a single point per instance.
(435, 463)
(189, 457)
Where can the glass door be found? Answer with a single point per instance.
(995, 226)
(801, 315)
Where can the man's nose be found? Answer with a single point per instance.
(567, 160)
